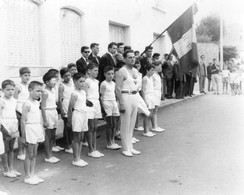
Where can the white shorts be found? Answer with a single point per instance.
(79, 121)
(157, 94)
(111, 107)
(94, 111)
(52, 118)
(11, 125)
(149, 99)
(34, 133)
(1, 144)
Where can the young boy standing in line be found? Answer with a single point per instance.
(9, 127)
(77, 117)
(49, 115)
(32, 131)
(94, 113)
(110, 105)
(21, 93)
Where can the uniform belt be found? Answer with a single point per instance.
(129, 92)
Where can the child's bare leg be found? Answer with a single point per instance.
(94, 133)
(146, 121)
(115, 120)
(137, 121)
(90, 134)
(76, 146)
(80, 143)
(154, 118)
(33, 159)
(109, 130)
(4, 158)
(27, 162)
(21, 148)
(47, 143)
(11, 154)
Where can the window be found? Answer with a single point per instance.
(159, 44)
(116, 33)
(22, 32)
(70, 36)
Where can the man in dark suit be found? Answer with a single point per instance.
(178, 80)
(83, 61)
(94, 58)
(168, 74)
(119, 56)
(146, 60)
(108, 59)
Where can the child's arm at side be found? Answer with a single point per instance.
(102, 89)
(43, 106)
(144, 84)
(17, 90)
(60, 99)
(72, 101)
(25, 110)
(1, 108)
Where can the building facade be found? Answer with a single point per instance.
(42, 34)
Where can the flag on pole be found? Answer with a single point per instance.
(183, 36)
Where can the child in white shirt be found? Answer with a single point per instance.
(225, 79)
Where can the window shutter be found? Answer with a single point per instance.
(70, 36)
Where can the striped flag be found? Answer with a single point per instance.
(183, 36)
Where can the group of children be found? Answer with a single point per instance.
(29, 112)
(232, 78)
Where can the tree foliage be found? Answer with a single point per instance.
(208, 29)
(230, 52)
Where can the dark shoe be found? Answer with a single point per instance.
(117, 137)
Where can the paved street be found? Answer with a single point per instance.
(201, 152)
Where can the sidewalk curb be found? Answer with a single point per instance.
(179, 102)
(162, 108)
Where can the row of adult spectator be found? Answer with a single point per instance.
(172, 78)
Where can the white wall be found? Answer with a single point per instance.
(141, 18)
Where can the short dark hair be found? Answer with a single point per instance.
(91, 65)
(127, 47)
(156, 55)
(119, 44)
(70, 65)
(136, 52)
(33, 84)
(149, 67)
(110, 45)
(47, 77)
(63, 71)
(77, 76)
(202, 56)
(148, 47)
(137, 61)
(126, 52)
(108, 68)
(83, 48)
(7, 82)
(53, 71)
(93, 45)
(24, 70)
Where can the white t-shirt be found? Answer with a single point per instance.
(225, 73)
(109, 90)
(93, 89)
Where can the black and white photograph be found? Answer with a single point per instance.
(122, 97)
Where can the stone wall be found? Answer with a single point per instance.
(210, 50)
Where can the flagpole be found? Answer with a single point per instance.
(165, 30)
(221, 40)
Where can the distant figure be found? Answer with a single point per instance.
(209, 76)
(215, 77)
(225, 79)
(147, 59)
(202, 74)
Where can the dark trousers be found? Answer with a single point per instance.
(178, 89)
(169, 84)
(189, 85)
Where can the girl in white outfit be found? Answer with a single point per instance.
(9, 127)
(64, 94)
(78, 117)
(148, 95)
(157, 86)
